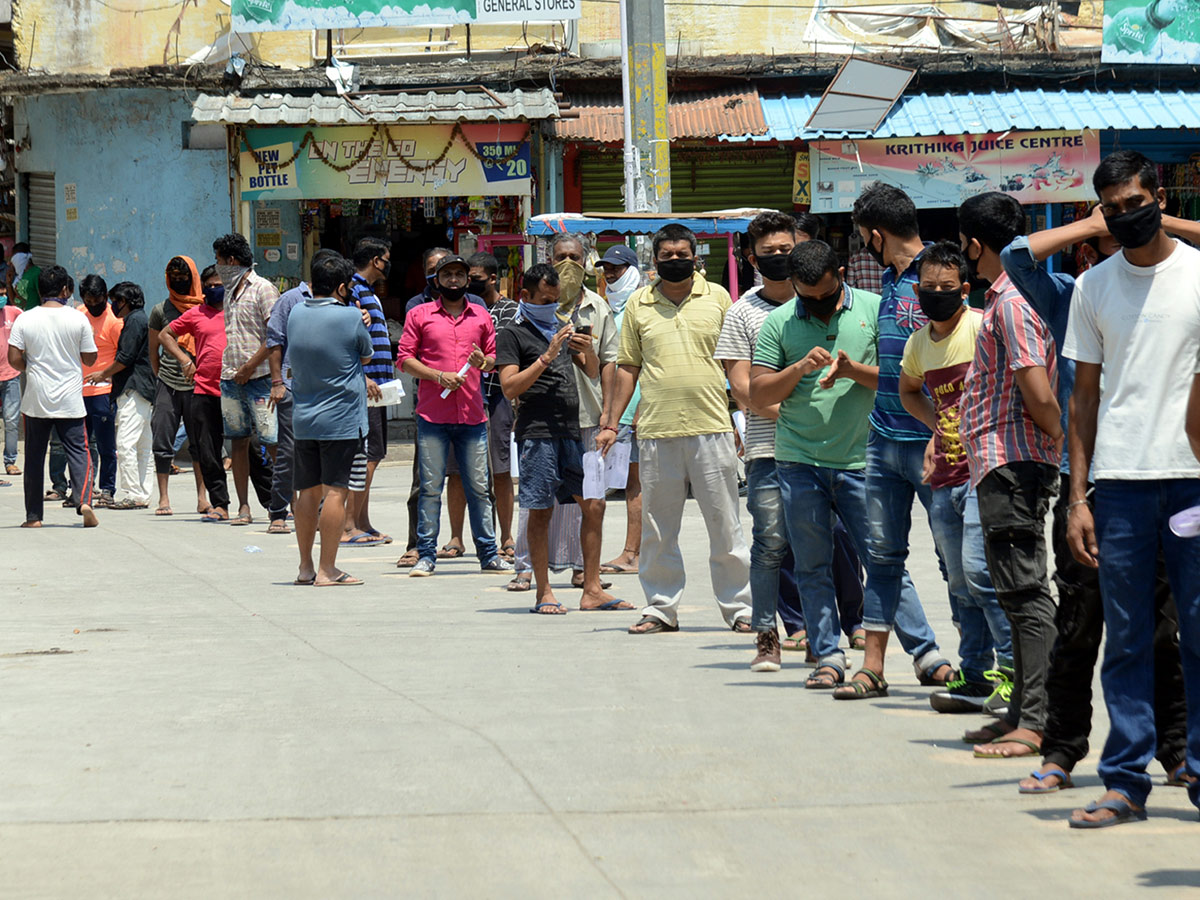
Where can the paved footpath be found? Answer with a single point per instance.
(179, 721)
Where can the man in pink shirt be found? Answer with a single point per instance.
(442, 339)
(10, 391)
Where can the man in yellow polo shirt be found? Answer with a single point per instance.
(685, 436)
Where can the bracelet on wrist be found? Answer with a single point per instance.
(1075, 503)
(542, 359)
(608, 428)
(276, 383)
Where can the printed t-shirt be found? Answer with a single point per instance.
(207, 326)
(942, 365)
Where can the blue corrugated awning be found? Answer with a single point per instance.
(918, 115)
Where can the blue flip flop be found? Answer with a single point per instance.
(363, 540)
(538, 609)
(611, 605)
(1043, 788)
(1123, 812)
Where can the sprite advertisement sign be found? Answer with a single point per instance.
(306, 15)
(1151, 31)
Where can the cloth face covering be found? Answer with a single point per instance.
(939, 305)
(1137, 227)
(570, 282)
(619, 292)
(543, 316)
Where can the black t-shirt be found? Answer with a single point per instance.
(550, 408)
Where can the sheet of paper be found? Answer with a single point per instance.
(514, 457)
(593, 475)
(616, 467)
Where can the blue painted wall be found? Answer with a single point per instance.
(289, 221)
(141, 198)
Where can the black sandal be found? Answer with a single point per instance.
(857, 689)
(819, 682)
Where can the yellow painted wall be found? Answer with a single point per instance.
(89, 36)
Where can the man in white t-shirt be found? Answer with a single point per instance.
(51, 344)
(1137, 317)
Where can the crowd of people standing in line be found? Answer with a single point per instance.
(857, 403)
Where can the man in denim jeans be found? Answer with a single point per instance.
(887, 223)
(1012, 430)
(821, 431)
(1136, 317)
(440, 339)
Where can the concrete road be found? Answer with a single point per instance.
(179, 721)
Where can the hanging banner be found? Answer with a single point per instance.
(360, 162)
(942, 171)
(801, 194)
(306, 15)
(1157, 32)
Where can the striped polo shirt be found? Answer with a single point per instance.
(380, 369)
(995, 426)
(899, 316)
(683, 385)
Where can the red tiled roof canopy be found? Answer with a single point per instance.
(707, 114)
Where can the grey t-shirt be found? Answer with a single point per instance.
(739, 335)
(169, 371)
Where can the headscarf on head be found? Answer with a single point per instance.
(184, 302)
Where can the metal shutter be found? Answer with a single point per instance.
(41, 225)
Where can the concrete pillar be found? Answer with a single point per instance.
(646, 21)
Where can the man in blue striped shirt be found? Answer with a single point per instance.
(372, 261)
(886, 219)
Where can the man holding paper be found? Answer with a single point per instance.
(533, 366)
(445, 345)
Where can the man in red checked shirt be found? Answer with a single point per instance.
(442, 339)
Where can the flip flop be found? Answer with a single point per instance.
(52, 495)
(244, 519)
(1064, 782)
(658, 626)
(210, 516)
(305, 581)
(1121, 809)
(164, 511)
(578, 585)
(1179, 777)
(362, 540)
(343, 580)
(615, 569)
(520, 583)
(610, 605)
(509, 551)
(798, 642)
(279, 526)
(1008, 739)
(448, 552)
(538, 609)
(382, 538)
(995, 729)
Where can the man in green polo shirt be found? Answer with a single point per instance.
(685, 435)
(817, 356)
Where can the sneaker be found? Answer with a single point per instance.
(497, 564)
(767, 659)
(1002, 688)
(422, 569)
(962, 696)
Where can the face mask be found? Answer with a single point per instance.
(116, 307)
(673, 271)
(453, 294)
(544, 316)
(214, 294)
(96, 309)
(230, 276)
(773, 267)
(387, 268)
(3, 300)
(570, 280)
(180, 285)
(822, 307)
(972, 264)
(619, 292)
(1137, 227)
(478, 287)
(876, 255)
(939, 305)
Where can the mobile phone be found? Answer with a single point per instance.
(584, 329)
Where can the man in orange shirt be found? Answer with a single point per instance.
(97, 398)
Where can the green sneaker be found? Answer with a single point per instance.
(961, 696)
(1002, 680)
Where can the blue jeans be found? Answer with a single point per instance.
(102, 438)
(811, 497)
(10, 404)
(1131, 526)
(772, 582)
(893, 480)
(986, 638)
(471, 450)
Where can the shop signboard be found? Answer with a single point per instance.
(801, 193)
(943, 170)
(306, 15)
(369, 162)
(1151, 32)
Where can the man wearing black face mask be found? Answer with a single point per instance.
(668, 345)
(821, 431)
(97, 398)
(1136, 318)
